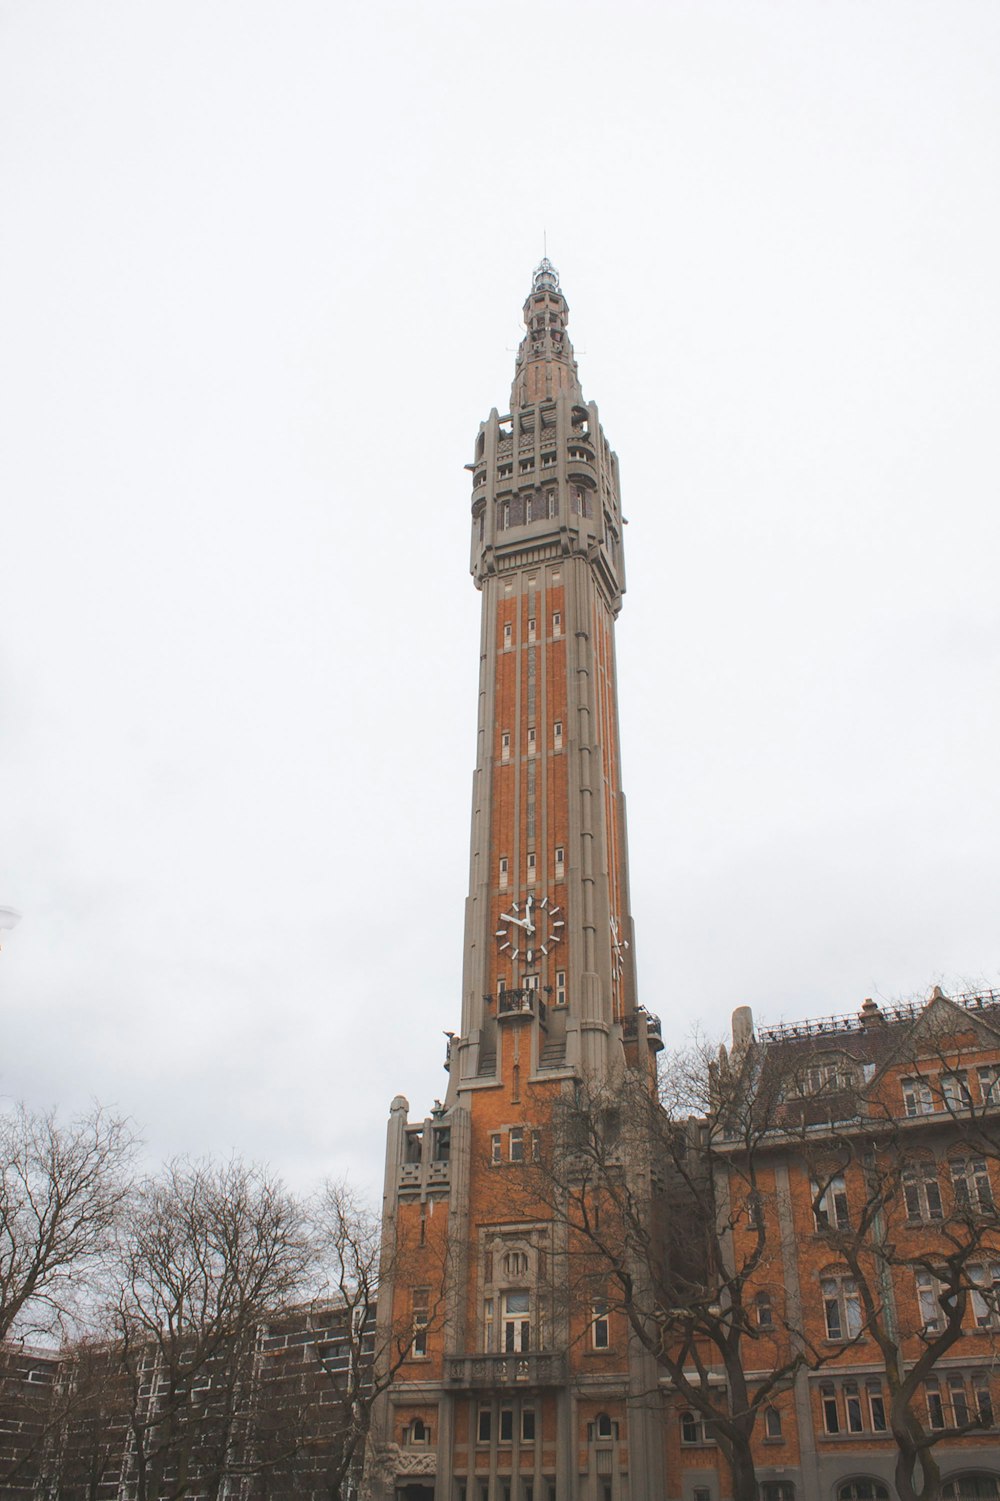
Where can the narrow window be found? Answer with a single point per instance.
(516, 1323)
(532, 740)
(600, 1331)
(927, 1301)
(917, 1098)
(506, 1425)
(505, 746)
(830, 1205)
(508, 636)
(985, 1295)
(531, 627)
(557, 735)
(531, 870)
(527, 1426)
(485, 1425)
(852, 1402)
(765, 1313)
(831, 1411)
(690, 1427)
(983, 1397)
(420, 1320)
(560, 987)
(772, 1423)
(504, 868)
(876, 1406)
(959, 1400)
(487, 1324)
(495, 1156)
(516, 1144)
(560, 863)
(989, 1075)
(935, 1407)
(557, 623)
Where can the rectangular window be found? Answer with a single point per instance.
(557, 735)
(508, 636)
(600, 1330)
(532, 740)
(917, 1097)
(516, 1144)
(560, 987)
(852, 1402)
(831, 1411)
(935, 1407)
(527, 1425)
(876, 1406)
(485, 1430)
(701, 1493)
(955, 1091)
(557, 624)
(504, 868)
(830, 1206)
(772, 1423)
(487, 1324)
(421, 1296)
(531, 627)
(516, 1323)
(989, 1083)
(495, 1156)
(927, 1301)
(983, 1398)
(506, 1425)
(959, 1400)
(560, 863)
(531, 870)
(985, 1295)
(505, 746)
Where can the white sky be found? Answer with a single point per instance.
(261, 272)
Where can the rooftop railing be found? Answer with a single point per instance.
(901, 1011)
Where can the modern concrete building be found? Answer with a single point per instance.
(505, 1395)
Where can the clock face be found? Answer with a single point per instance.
(531, 929)
(619, 947)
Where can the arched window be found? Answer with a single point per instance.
(921, 1190)
(971, 1487)
(604, 1426)
(418, 1432)
(515, 1264)
(863, 1490)
(692, 1428)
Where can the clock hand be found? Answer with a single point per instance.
(509, 917)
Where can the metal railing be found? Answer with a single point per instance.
(900, 1011)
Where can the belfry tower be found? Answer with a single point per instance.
(507, 1393)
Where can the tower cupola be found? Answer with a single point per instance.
(545, 363)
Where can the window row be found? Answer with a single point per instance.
(532, 740)
(511, 1489)
(557, 993)
(531, 867)
(853, 1407)
(984, 1301)
(505, 1425)
(532, 630)
(958, 1400)
(521, 510)
(925, 1094)
(971, 1487)
(969, 1177)
(520, 1141)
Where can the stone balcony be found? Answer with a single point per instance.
(489, 1372)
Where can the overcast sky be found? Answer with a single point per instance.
(261, 273)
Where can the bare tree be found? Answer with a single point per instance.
(666, 1202)
(210, 1252)
(62, 1189)
(907, 1204)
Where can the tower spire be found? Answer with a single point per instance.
(545, 363)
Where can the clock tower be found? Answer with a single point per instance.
(505, 1395)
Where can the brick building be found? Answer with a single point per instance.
(517, 1388)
